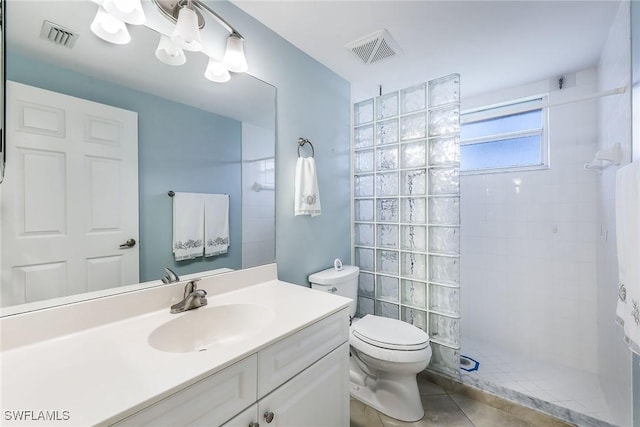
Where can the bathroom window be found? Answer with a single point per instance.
(504, 137)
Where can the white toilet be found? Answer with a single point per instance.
(386, 354)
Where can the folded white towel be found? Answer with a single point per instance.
(188, 226)
(307, 195)
(628, 245)
(216, 224)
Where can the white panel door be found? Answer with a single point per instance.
(69, 198)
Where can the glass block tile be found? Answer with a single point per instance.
(366, 285)
(387, 262)
(387, 106)
(363, 137)
(387, 236)
(364, 234)
(444, 299)
(414, 182)
(387, 158)
(445, 360)
(414, 210)
(444, 121)
(414, 293)
(363, 209)
(415, 317)
(387, 132)
(365, 306)
(444, 240)
(413, 126)
(363, 161)
(387, 184)
(445, 329)
(444, 210)
(444, 90)
(444, 181)
(387, 210)
(444, 151)
(387, 288)
(414, 265)
(364, 259)
(387, 309)
(363, 112)
(413, 154)
(414, 238)
(363, 186)
(413, 98)
(444, 269)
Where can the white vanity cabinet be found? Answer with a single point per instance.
(317, 397)
(300, 380)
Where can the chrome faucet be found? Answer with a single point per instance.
(170, 277)
(193, 298)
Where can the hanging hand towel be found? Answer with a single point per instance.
(216, 224)
(628, 245)
(188, 226)
(307, 196)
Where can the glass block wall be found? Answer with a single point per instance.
(407, 211)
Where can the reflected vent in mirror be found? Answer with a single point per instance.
(374, 47)
(57, 34)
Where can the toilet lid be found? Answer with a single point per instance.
(390, 333)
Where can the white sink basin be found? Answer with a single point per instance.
(210, 326)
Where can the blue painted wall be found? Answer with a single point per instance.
(202, 155)
(313, 102)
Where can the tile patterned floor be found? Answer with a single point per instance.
(561, 385)
(441, 409)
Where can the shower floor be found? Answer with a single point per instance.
(560, 385)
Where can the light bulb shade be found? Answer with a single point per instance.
(186, 33)
(234, 59)
(109, 28)
(129, 11)
(217, 72)
(169, 53)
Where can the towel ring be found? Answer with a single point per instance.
(303, 141)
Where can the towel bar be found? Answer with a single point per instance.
(303, 141)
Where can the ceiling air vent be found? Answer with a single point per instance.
(374, 47)
(58, 34)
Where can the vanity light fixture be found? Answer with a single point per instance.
(216, 71)
(110, 28)
(188, 17)
(186, 33)
(129, 11)
(169, 53)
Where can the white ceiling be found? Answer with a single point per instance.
(492, 44)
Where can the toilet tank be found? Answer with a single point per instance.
(340, 282)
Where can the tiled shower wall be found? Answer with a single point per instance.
(529, 239)
(407, 211)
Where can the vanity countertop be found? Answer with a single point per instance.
(100, 375)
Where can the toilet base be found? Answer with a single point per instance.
(396, 396)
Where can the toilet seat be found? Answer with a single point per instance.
(391, 334)
(390, 340)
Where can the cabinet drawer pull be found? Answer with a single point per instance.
(268, 416)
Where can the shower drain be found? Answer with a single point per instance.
(468, 364)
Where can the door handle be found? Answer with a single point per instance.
(128, 244)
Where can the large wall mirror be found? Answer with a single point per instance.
(193, 136)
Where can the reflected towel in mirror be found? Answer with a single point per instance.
(307, 195)
(188, 226)
(216, 224)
